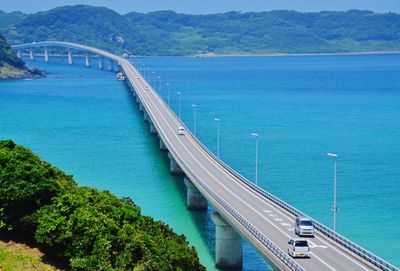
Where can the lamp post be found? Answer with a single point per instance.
(334, 209)
(195, 118)
(179, 104)
(159, 89)
(152, 79)
(217, 120)
(168, 93)
(256, 136)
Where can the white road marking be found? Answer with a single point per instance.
(278, 219)
(267, 211)
(272, 215)
(285, 224)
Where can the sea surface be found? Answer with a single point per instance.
(85, 122)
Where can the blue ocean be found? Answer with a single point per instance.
(85, 122)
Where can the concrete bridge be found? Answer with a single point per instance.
(243, 209)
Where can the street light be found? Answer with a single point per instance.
(334, 209)
(179, 99)
(159, 89)
(256, 136)
(195, 118)
(153, 82)
(217, 120)
(168, 92)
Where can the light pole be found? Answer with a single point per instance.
(168, 92)
(153, 82)
(217, 120)
(179, 103)
(334, 209)
(159, 89)
(256, 136)
(195, 118)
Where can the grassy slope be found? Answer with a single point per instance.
(19, 257)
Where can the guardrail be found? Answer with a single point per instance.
(279, 253)
(360, 251)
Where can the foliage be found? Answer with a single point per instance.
(91, 229)
(26, 184)
(19, 257)
(169, 33)
(7, 55)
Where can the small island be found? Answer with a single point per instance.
(12, 67)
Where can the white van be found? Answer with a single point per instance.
(181, 131)
(299, 248)
(304, 226)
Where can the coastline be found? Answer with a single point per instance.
(311, 54)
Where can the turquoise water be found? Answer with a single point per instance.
(85, 122)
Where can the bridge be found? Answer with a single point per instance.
(243, 209)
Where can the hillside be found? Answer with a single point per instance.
(82, 227)
(11, 66)
(170, 33)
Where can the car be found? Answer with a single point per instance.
(303, 226)
(299, 248)
(138, 77)
(181, 131)
(146, 87)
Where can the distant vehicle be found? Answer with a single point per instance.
(181, 131)
(137, 77)
(304, 226)
(146, 87)
(299, 248)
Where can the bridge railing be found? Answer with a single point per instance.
(279, 253)
(362, 252)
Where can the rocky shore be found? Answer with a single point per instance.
(8, 72)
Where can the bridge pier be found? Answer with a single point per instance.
(87, 60)
(228, 244)
(146, 117)
(19, 53)
(163, 147)
(174, 168)
(101, 62)
(153, 129)
(141, 109)
(31, 56)
(46, 56)
(194, 199)
(111, 65)
(70, 58)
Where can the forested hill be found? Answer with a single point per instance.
(169, 33)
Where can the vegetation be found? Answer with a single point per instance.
(169, 33)
(87, 228)
(7, 55)
(19, 257)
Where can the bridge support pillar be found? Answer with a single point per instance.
(163, 147)
(101, 62)
(19, 53)
(111, 65)
(46, 56)
(137, 99)
(174, 168)
(87, 60)
(146, 117)
(70, 58)
(228, 244)
(153, 129)
(194, 199)
(31, 56)
(141, 109)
